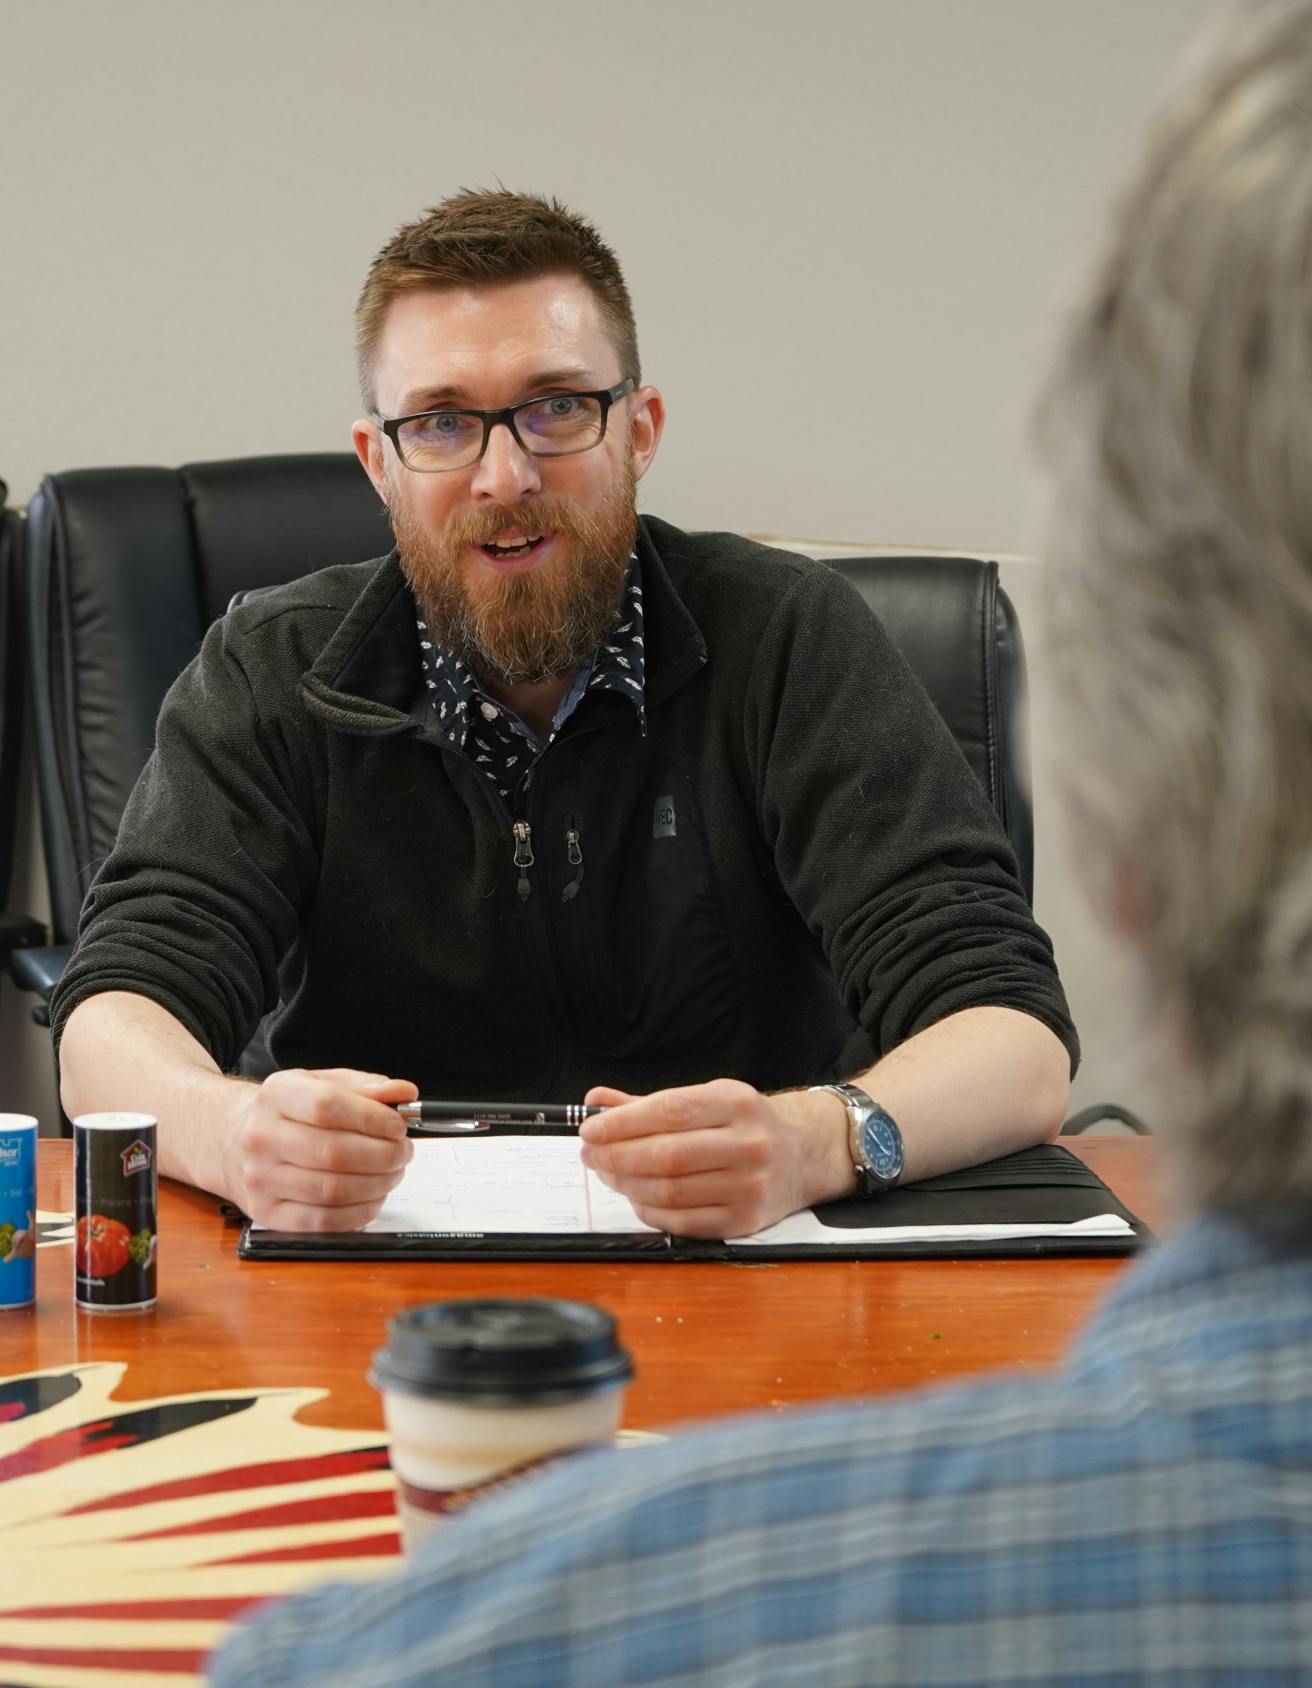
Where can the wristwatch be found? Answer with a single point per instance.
(873, 1139)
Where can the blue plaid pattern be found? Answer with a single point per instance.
(1143, 1517)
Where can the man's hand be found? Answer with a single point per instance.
(718, 1159)
(318, 1151)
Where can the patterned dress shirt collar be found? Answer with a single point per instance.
(500, 744)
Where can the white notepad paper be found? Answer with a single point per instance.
(481, 1186)
(519, 1185)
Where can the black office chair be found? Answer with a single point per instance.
(17, 930)
(124, 571)
(127, 567)
(959, 631)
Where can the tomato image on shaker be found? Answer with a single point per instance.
(115, 1182)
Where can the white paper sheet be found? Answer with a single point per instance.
(497, 1185)
(806, 1228)
(487, 1185)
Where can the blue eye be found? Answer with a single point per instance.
(440, 430)
(562, 418)
(446, 424)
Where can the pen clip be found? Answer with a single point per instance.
(446, 1128)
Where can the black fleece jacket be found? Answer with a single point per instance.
(790, 873)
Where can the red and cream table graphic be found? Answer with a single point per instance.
(135, 1530)
(160, 1472)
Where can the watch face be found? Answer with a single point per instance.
(882, 1143)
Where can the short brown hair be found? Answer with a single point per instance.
(483, 237)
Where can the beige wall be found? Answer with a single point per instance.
(859, 218)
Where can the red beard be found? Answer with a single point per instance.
(514, 629)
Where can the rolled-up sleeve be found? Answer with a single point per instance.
(881, 834)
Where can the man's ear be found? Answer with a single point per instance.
(647, 423)
(367, 439)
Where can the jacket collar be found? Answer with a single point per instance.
(367, 678)
(675, 646)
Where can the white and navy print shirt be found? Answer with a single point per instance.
(502, 745)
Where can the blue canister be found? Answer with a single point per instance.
(17, 1210)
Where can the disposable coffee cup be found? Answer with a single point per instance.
(479, 1394)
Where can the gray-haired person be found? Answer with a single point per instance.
(1145, 1515)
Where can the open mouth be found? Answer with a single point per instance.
(519, 551)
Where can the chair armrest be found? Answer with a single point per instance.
(18, 931)
(1100, 1111)
(38, 969)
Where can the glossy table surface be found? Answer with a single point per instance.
(159, 1471)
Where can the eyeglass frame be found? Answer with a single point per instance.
(605, 397)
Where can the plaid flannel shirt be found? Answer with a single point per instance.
(1143, 1516)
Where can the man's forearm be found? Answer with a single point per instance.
(981, 1083)
(720, 1159)
(304, 1151)
(122, 1051)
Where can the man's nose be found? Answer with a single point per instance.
(505, 472)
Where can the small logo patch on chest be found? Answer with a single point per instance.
(663, 824)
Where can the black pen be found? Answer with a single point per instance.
(474, 1115)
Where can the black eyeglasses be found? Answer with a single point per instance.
(560, 425)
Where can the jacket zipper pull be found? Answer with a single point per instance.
(574, 850)
(523, 856)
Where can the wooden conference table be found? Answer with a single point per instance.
(160, 1471)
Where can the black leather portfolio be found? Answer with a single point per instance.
(1037, 1202)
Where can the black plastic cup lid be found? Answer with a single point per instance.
(502, 1351)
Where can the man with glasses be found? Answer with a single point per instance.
(555, 801)
(1143, 1517)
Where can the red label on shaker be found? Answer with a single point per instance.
(117, 1238)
